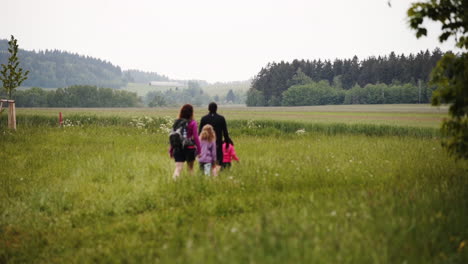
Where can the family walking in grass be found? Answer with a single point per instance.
(210, 142)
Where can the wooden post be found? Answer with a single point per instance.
(11, 114)
(1, 105)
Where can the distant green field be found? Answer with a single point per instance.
(347, 184)
(220, 89)
(143, 88)
(399, 115)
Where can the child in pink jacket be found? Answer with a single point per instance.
(229, 153)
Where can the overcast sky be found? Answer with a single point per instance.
(213, 40)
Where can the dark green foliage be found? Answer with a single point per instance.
(38, 97)
(230, 97)
(450, 76)
(322, 93)
(273, 80)
(452, 14)
(143, 77)
(237, 97)
(388, 94)
(255, 98)
(76, 96)
(314, 93)
(300, 78)
(193, 94)
(451, 73)
(158, 99)
(54, 68)
(10, 75)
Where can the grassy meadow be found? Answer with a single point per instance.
(220, 89)
(370, 190)
(395, 115)
(143, 88)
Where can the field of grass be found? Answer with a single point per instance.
(397, 115)
(220, 89)
(143, 88)
(339, 193)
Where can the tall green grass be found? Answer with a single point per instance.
(396, 115)
(105, 194)
(267, 127)
(237, 127)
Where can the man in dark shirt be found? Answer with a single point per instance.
(219, 124)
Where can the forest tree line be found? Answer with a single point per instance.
(92, 96)
(137, 76)
(75, 96)
(388, 73)
(322, 93)
(55, 68)
(193, 94)
(276, 84)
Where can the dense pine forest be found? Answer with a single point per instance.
(54, 69)
(138, 76)
(59, 69)
(301, 82)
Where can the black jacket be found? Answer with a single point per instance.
(219, 124)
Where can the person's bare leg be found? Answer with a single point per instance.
(216, 169)
(178, 168)
(190, 167)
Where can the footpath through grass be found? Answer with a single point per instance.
(105, 194)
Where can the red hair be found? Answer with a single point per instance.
(186, 112)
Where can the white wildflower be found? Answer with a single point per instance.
(301, 131)
(166, 125)
(252, 125)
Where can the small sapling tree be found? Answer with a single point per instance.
(11, 75)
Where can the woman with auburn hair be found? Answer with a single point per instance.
(191, 147)
(207, 158)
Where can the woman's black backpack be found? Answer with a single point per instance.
(178, 136)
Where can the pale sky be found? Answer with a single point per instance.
(213, 40)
